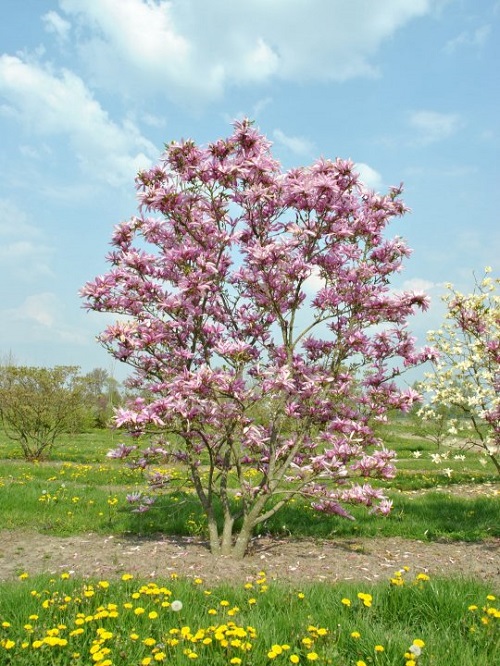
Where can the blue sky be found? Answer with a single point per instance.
(90, 90)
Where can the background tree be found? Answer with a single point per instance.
(466, 374)
(262, 329)
(38, 405)
(104, 395)
(435, 425)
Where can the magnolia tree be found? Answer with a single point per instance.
(466, 374)
(257, 313)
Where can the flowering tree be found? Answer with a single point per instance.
(466, 374)
(262, 331)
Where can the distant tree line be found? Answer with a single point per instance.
(38, 405)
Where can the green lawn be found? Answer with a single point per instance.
(70, 622)
(408, 620)
(80, 490)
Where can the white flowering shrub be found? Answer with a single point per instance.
(466, 374)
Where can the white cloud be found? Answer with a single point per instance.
(297, 145)
(418, 284)
(433, 126)
(196, 48)
(23, 254)
(54, 23)
(314, 282)
(41, 317)
(14, 222)
(39, 152)
(469, 39)
(371, 178)
(50, 103)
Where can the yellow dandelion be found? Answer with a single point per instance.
(422, 576)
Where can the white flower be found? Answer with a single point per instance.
(448, 472)
(459, 457)
(415, 650)
(436, 458)
(416, 454)
(176, 605)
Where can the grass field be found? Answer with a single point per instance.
(80, 490)
(406, 620)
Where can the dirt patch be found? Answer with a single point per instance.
(294, 561)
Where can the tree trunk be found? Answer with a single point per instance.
(227, 535)
(213, 535)
(243, 539)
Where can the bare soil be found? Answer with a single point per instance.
(289, 560)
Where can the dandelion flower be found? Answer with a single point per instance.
(176, 605)
(422, 576)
